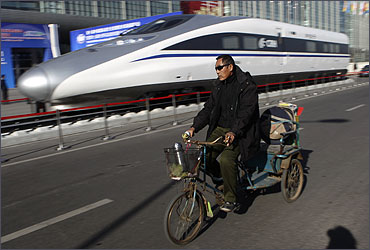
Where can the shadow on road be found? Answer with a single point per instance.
(7, 158)
(306, 155)
(125, 217)
(341, 238)
(338, 120)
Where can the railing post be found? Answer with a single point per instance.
(148, 114)
(324, 80)
(357, 80)
(293, 89)
(198, 100)
(267, 95)
(174, 123)
(107, 136)
(306, 87)
(315, 84)
(61, 141)
(281, 92)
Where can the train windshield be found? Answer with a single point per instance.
(161, 24)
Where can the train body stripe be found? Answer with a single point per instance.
(213, 55)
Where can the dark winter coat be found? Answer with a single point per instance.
(246, 116)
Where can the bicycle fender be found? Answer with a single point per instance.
(286, 162)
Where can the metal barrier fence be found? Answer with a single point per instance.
(55, 118)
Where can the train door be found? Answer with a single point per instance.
(283, 60)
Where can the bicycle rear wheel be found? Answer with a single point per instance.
(292, 181)
(184, 217)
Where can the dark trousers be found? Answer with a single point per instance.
(5, 94)
(226, 164)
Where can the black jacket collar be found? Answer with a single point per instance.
(239, 74)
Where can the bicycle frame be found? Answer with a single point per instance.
(202, 180)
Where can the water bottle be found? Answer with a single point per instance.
(180, 154)
(186, 136)
(200, 155)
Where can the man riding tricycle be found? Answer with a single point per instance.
(233, 153)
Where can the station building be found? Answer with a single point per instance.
(349, 17)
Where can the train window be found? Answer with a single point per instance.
(311, 46)
(343, 48)
(249, 42)
(225, 41)
(161, 24)
(337, 48)
(295, 45)
(199, 43)
(155, 26)
(331, 48)
(325, 47)
(230, 42)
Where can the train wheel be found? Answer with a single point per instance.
(184, 218)
(292, 181)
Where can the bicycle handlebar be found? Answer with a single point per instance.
(214, 143)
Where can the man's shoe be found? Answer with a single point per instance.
(228, 206)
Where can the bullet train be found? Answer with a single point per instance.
(179, 53)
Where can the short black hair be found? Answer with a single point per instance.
(226, 59)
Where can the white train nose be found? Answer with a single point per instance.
(34, 84)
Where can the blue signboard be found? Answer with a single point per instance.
(86, 37)
(21, 35)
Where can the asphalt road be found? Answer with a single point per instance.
(113, 194)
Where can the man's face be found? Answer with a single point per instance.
(225, 71)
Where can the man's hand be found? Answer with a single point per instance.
(229, 138)
(190, 131)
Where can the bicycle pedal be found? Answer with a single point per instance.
(220, 187)
(219, 199)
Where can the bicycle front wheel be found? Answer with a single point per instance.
(184, 217)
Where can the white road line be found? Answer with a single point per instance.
(94, 145)
(52, 221)
(359, 106)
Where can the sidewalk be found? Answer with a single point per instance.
(15, 108)
(117, 121)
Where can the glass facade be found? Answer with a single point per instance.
(79, 8)
(30, 5)
(56, 7)
(159, 7)
(136, 9)
(110, 9)
(268, 11)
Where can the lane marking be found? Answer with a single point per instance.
(94, 145)
(359, 106)
(52, 221)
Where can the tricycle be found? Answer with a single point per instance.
(279, 160)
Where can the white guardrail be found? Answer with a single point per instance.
(102, 123)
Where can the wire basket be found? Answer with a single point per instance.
(182, 164)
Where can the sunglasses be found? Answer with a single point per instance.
(220, 67)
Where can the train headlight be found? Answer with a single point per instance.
(34, 84)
